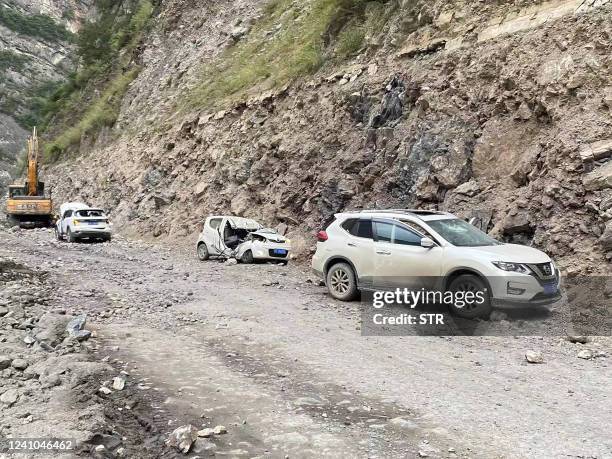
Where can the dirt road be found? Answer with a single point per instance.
(286, 370)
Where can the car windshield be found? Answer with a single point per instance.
(461, 233)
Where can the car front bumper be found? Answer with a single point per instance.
(267, 252)
(524, 290)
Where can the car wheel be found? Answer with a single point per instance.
(341, 282)
(70, 236)
(247, 257)
(109, 238)
(58, 236)
(471, 310)
(203, 254)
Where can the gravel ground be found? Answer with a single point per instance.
(264, 352)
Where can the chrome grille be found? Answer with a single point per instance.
(543, 270)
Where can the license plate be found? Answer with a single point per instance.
(550, 289)
(280, 252)
(92, 223)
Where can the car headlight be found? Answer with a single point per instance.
(76, 222)
(512, 267)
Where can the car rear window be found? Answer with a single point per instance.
(90, 213)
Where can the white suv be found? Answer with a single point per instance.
(78, 221)
(385, 250)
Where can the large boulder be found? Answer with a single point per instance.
(183, 438)
(51, 328)
(516, 222)
(599, 179)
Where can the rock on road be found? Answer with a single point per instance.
(285, 369)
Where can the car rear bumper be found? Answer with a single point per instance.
(90, 232)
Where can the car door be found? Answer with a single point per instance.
(399, 259)
(66, 221)
(212, 238)
(359, 248)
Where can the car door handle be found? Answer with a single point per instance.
(350, 244)
(383, 252)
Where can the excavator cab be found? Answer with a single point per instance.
(16, 191)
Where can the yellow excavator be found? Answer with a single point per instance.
(27, 204)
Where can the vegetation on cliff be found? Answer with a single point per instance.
(92, 97)
(290, 40)
(33, 25)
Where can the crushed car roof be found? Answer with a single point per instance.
(244, 223)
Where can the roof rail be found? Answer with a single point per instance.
(404, 211)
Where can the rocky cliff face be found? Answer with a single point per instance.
(35, 52)
(495, 110)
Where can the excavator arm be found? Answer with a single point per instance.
(33, 164)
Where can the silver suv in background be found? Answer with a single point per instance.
(389, 249)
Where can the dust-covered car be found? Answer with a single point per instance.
(79, 221)
(241, 238)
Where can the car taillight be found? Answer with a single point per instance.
(322, 236)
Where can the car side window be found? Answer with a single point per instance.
(404, 236)
(214, 223)
(359, 228)
(364, 229)
(418, 229)
(384, 232)
(67, 214)
(350, 225)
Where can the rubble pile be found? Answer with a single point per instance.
(48, 371)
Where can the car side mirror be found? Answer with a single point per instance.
(427, 243)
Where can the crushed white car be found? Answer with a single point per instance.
(244, 239)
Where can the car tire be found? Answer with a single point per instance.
(473, 283)
(247, 257)
(108, 238)
(341, 282)
(71, 238)
(58, 236)
(203, 254)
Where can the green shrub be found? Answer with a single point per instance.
(11, 60)
(33, 25)
(350, 40)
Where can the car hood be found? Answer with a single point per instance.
(270, 235)
(513, 253)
